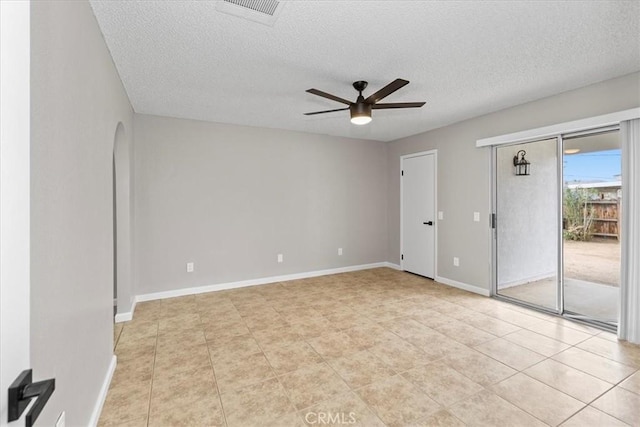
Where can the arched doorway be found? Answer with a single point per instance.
(122, 239)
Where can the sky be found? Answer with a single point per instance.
(600, 166)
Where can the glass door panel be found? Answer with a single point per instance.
(591, 227)
(527, 231)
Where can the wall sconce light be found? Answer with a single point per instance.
(521, 164)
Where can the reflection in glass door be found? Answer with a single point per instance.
(591, 228)
(527, 210)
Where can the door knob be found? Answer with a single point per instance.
(428, 223)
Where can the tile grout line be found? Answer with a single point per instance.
(213, 371)
(270, 365)
(517, 371)
(278, 376)
(585, 405)
(351, 389)
(153, 371)
(594, 354)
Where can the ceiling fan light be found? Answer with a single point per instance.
(360, 120)
(360, 113)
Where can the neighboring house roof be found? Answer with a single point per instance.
(609, 184)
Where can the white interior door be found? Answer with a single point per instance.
(419, 214)
(14, 195)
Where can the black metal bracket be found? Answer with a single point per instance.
(22, 390)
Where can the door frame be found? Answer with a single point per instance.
(537, 134)
(433, 152)
(15, 107)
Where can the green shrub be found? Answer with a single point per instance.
(577, 213)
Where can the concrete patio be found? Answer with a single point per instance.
(591, 284)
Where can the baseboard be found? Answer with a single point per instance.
(254, 282)
(123, 317)
(127, 316)
(97, 409)
(527, 280)
(392, 265)
(463, 286)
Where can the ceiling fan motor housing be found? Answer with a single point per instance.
(360, 109)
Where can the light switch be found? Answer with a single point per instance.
(440, 215)
(476, 216)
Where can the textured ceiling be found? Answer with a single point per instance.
(187, 59)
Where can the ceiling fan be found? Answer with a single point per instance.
(361, 109)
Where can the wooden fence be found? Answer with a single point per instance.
(606, 218)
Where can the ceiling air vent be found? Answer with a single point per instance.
(262, 11)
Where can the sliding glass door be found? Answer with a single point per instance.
(557, 224)
(591, 231)
(527, 223)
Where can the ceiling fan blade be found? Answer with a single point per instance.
(386, 91)
(325, 111)
(328, 96)
(397, 105)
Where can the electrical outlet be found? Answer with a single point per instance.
(440, 215)
(61, 420)
(280, 258)
(340, 251)
(456, 261)
(476, 216)
(190, 267)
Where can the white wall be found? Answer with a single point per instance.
(527, 210)
(464, 171)
(77, 102)
(230, 198)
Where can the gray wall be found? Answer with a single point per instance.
(464, 171)
(77, 102)
(230, 198)
(527, 208)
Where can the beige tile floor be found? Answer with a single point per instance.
(371, 348)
